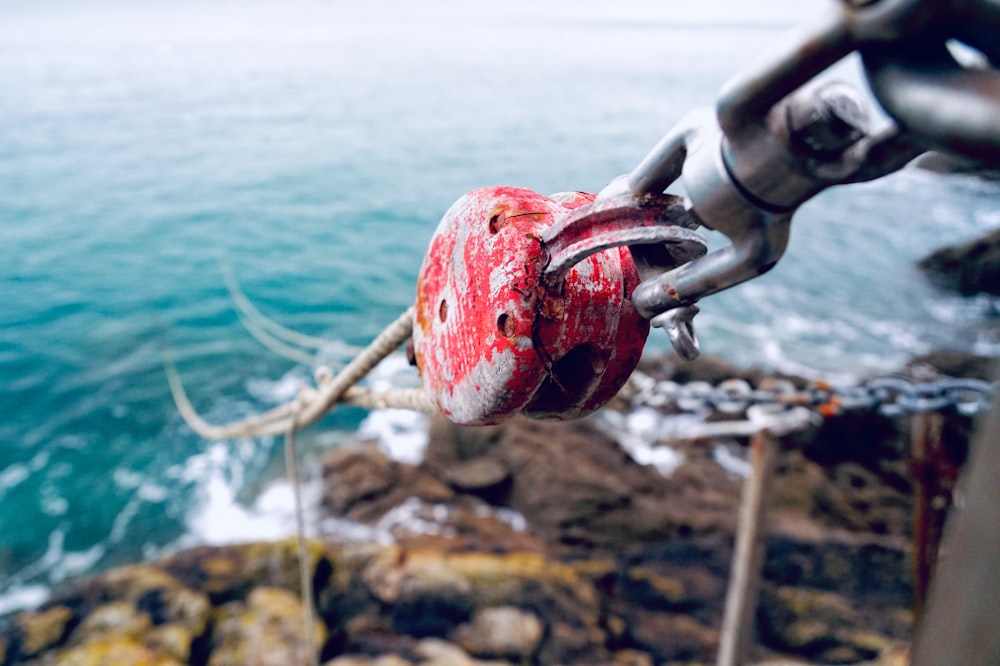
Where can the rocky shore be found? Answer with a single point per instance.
(539, 542)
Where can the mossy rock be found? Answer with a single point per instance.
(429, 594)
(112, 621)
(501, 631)
(229, 573)
(135, 612)
(266, 630)
(164, 598)
(654, 590)
(41, 630)
(112, 651)
(816, 624)
(489, 580)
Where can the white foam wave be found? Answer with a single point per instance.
(75, 563)
(410, 516)
(24, 591)
(23, 597)
(393, 371)
(50, 501)
(221, 518)
(281, 390)
(120, 525)
(13, 476)
(415, 516)
(152, 492)
(350, 530)
(402, 434)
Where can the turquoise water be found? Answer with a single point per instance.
(313, 146)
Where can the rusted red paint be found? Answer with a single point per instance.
(491, 341)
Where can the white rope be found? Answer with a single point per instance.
(252, 315)
(414, 399)
(305, 577)
(276, 345)
(311, 404)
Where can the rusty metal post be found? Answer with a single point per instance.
(962, 620)
(925, 454)
(748, 555)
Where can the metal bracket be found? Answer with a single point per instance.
(773, 142)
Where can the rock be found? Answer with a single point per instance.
(819, 625)
(705, 368)
(163, 597)
(363, 484)
(357, 660)
(501, 631)
(361, 473)
(653, 590)
(435, 652)
(173, 640)
(969, 269)
(477, 475)
(864, 437)
(684, 576)
(42, 630)
(113, 651)
(266, 630)
(632, 658)
(228, 573)
(429, 594)
(469, 524)
(572, 482)
(576, 485)
(448, 443)
(567, 643)
(138, 613)
(957, 364)
(673, 637)
(531, 542)
(115, 620)
(865, 569)
(442, 652)
(372, 634)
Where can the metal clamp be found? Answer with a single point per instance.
(774, 142)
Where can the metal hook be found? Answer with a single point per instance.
(679, 325)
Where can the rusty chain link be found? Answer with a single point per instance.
(890, 396)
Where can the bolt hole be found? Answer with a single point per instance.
(497, 221)
(443, 310)
(505, 324)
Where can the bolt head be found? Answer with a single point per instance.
(829, 121)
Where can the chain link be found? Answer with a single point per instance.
(890, 396)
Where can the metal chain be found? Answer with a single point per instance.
(891, 396)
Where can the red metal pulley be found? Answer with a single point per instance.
(520, 309)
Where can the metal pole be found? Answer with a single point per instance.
(925, 453)
(748, 555)
(962, 620)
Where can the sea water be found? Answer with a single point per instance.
(312, 147)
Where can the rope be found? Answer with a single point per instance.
(306, 409)
(305, 578)
(252, 317)
(312, 404)
(415, 399)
